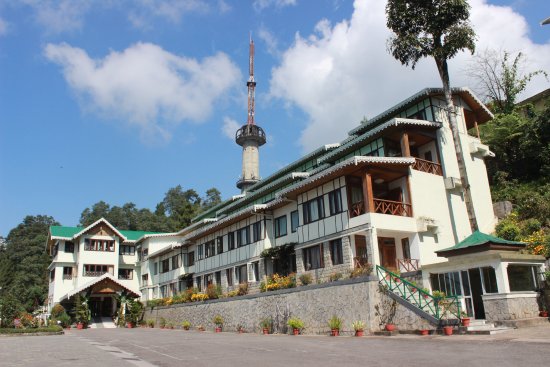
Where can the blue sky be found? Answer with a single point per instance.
(121, 100)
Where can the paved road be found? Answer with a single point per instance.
(154, 347)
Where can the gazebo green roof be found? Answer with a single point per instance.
(479, 241)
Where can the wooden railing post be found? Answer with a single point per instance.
(405, 146)
(367, 193)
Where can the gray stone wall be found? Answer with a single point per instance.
(501, 309)
(351, 300)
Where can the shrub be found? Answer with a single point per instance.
(213, 291)
(243, 289)
(335, 323)
(150, 322)
(199, 297)
(64, 319)
(276, 281)
(295, 323)
(57, 310)
(335, 276)
(358, 325)
(186, 325)
(306, 279)
(9, 309)
(363, 270)
(48, 329)
(218, 320)
(438, 294)
(162, 322)
(266, 323)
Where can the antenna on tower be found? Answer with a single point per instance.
(251, 84)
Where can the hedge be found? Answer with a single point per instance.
(49, 329)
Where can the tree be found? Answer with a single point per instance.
(180, 207)
(499, 80)
(213, 198)
(24, 262)
(437, 29)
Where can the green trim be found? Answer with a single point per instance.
(69, 232)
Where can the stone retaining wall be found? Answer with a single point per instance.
(502, 307)
(351, 300)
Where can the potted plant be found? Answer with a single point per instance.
(186, 325)
(464, 319)
(543, 313)
(151, 323)
(296, 324)
(335, 324)
(426, 290)
(162, 322)
(386, 310)
(265, 324)
(169, 325)
(82, 312)
(424, 332)
(218, 321)
(448, 330)
(200, 328)
(240, 329)
(359, 327)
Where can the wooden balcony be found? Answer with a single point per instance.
(428, 167)
(408, 265)
(357, 209)
(392, 207)
(67, 276)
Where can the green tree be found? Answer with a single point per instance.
(24, 262)
(179, 206)
(437, 29)
(213, 198)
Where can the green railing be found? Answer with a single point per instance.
(442, 308)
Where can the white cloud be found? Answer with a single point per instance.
(260, 5)
(270, 41)
(229, 127)
(341, 73)
(142, 12)
(58, 16)
(3, 27)
(146, 86)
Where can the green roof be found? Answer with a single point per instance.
(69, 232)
(479, 238)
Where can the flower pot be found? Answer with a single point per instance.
(390, 327)
(359, 332)
(241, 331)
(543, 313)
(466, 321)
(218, 329)
(296, 331)
(80, 326)
(335, 332)
(413, 290)
(129, 325)
(424, 332)
(265, 331)
(448, 330)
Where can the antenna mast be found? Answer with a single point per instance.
(251, 84)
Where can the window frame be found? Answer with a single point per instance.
(335, 202)
(278, 228)
(294, 215)
(336, 252)
(307, 210)
(307, 255)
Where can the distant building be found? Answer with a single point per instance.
(539, 101)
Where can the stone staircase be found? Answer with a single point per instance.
(102, 323)
(482, 327)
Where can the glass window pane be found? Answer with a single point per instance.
(521, 278)
(489, 280)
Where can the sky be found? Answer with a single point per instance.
(120, 100)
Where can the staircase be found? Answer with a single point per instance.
(481, 327)
(438, 310)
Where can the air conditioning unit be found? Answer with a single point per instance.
(452, 183)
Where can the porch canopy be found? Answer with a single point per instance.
(479, 242)
(105, 284)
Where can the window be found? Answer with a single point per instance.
(55, 249)
(52, 275)
(209, 249)
(405, 246)
(243, 236)
(199, 252)
(257, 231)
(218, 276)
(145, 279)
(173, 288)
(176, 261)
(489, 280)
(242, 276)
(69, 247)
(336, 252)
(280, 226)
(127, 250)
(449, 283)
(163, 291)
(191, 258)
(313, 257)
(219, 245)
(198, 283)
(97, 270)
(335, 201)
(231, 240)
(522, 278)
(99, 245)
(294, 221)
(313, 210)
(67, 272)
(127, 274)
(229, 276)
(254, 272)
(155, 268)
(208, 279)
(165, 266)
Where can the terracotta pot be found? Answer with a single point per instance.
(296, 331)
(335, 332)
(413, 290)
(466, 321)
(129, 325)
(241, 331)
(424, 332)
(448, 330)
(80, 326)
(265, 331)
(218, 329)
(543, 313)
(390, 327)
(359, 332)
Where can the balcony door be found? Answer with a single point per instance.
(388, 256)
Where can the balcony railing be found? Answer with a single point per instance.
(428, 167)
(95, 273)
(392, 207)
(357, 209)
(67, 276)
(408, 265)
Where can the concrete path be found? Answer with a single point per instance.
(155, 347)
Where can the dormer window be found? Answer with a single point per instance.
(99, 245)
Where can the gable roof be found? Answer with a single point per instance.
(94, 281)
(479, 241)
